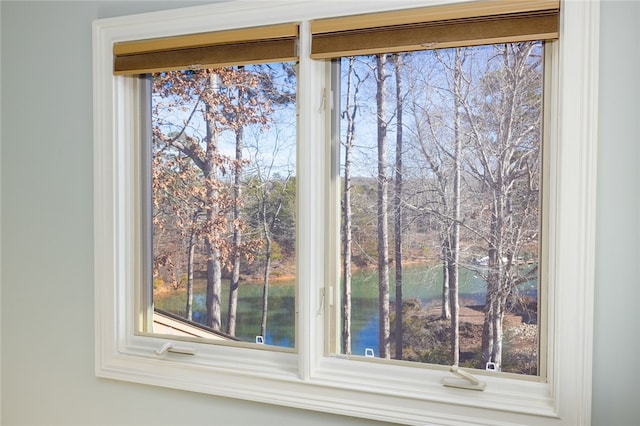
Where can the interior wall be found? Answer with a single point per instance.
(47, 275)
(46, 241)
(617, 293)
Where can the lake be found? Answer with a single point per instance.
(419, 282)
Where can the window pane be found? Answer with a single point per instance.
(441, 192)
(223, 203)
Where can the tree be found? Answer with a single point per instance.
(215, 207)
(190, 267)
(177, 212)
(205, 95)
(271, 198)
(506, 136)
(454, 234)
(397, 205)
(439, 138)
(270, 206)
(349, 113)
(243, 110)
(431, 145)
(454, 142)
(238, 224)
(383, 214)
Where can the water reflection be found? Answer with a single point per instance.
(419, 282)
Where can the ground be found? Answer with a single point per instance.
(520, 346)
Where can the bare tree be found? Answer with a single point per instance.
(452, 123)
(454, 234)
(349, 113)
(271, 197)
(506, 141)
(236, 249)
(430, 140)
(254, 85)
(270, 206)
(439, 138)
(383, 214)
(397, 205)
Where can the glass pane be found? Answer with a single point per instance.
(441, 190)
(223, 203)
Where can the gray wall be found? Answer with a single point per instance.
(47, 287)
(616, 332)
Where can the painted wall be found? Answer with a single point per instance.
(46, 241)
(617, 329)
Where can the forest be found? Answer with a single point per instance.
(441, 189)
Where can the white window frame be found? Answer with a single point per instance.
(309, 379)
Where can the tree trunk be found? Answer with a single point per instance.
(346, 213)
(234, 283)
(214, 270)
(267, 226)
(496, 293)
(190, 253)
(265, 290)
(492, 328)
(383, 223)
(446, 301)
(455, 309)
(455, 226)
(214, 284)
(397, 207)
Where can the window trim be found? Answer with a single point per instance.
(309, 379)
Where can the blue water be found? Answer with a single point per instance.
(419, 282)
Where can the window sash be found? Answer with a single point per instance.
(146, 305)
(277, 43)
(435, 27)
(335, 279)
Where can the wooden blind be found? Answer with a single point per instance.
(276, 43)
(465, 24)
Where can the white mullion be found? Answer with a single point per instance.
(311, 166)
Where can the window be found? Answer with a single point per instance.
(316, 375)
(225, 137)
(465, 180)
(220, 155)
(449, 141)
